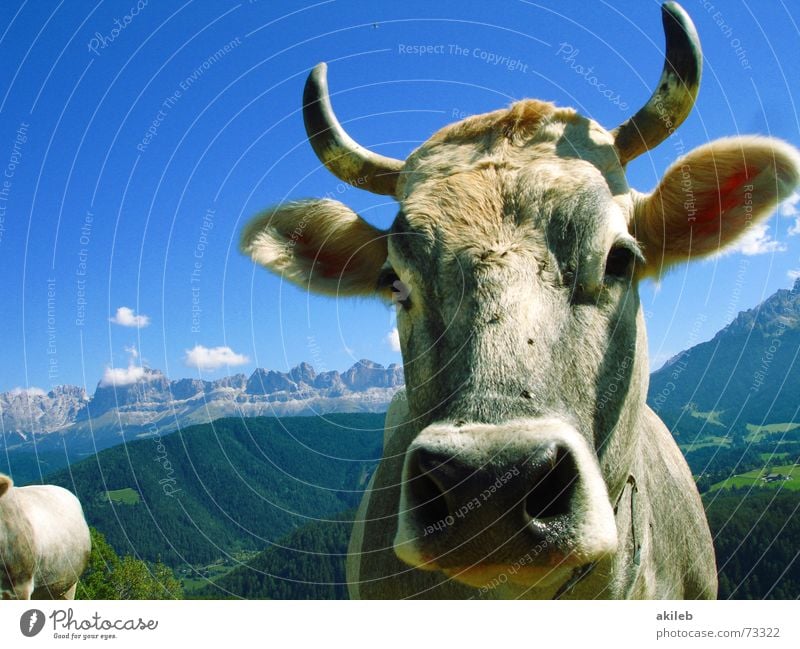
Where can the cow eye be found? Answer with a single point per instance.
(620, 261)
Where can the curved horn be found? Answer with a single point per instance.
(677, 88)
(341, 154)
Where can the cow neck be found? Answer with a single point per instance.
(579, 574)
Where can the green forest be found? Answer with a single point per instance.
(755, 537)
(212, 490)
(109, 576)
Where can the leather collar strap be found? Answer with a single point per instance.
(580, 573)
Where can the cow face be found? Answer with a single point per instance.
(513, 264)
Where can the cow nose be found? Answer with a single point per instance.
(526, 496)
(553, 475)
(443, 488)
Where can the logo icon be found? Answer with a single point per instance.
(31, 622)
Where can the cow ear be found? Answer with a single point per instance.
(709, 198)
(320, 245)
(5, 484)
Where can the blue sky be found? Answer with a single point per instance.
(136, 154)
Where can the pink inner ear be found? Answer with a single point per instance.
(712, 205)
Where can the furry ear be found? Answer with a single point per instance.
(708, 199)
(5, 484)
(320, 245)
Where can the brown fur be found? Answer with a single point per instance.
(515, 124)
(342, 253)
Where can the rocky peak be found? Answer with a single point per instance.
(264, 381)
(780, 311)
(152, 387)
(236, 382)
(365, 374)
(303, 373)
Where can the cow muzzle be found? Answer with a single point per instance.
(523, 502)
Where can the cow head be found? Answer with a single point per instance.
(514, 263)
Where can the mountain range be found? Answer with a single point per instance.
(67, 417)
(747, 376)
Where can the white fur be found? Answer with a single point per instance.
(47, 523)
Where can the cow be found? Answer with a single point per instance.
(521, 460)
(44, 542)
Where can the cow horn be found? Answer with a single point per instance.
(677, 88)
(341, 154)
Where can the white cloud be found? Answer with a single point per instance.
(126, 318)
(790, 209)
(794, 274)
(757, 241)
(120, 376)
(212, 358)
(393, 340)
(30, 392)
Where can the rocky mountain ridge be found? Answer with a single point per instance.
(156, 404)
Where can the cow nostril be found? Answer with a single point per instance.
(427, 497)
(554, 483)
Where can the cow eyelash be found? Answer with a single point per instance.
(388, 280)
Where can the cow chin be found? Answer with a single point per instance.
(523, 503)
(495, 576)
(533, 571)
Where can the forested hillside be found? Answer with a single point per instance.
(210, 490)
(307, 564)
(756, 536)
